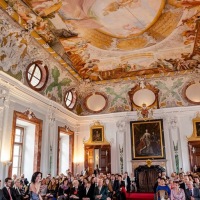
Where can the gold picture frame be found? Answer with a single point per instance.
(196, 128)
(97, 133)
(147, 139)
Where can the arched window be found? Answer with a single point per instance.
(70, 99)
(37, 75)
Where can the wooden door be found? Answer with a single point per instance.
(104, 161)
(89, 160)
(104, 158)
(146, 177)
(194, 154)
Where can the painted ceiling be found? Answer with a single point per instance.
(105, 46)
(113, 39)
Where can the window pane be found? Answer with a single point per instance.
(68, 102)
(70, 96)
(34, 81)
(14, 170)
(17, 138)
(18, 131)
(37, 73)
(31, 68)
(16, 151)
(15, 161)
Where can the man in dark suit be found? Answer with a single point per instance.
(127, 181)
(88, 191)
(192, 193)
(1, 193)
(185, 180)
(119, 188)
(8, 191)
(101, 191)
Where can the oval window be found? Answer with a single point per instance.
(37, 75)
(70, 99)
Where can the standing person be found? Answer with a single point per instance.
(177, 193)
(8, 191)
(1, 193)
(34, 188)
(96, 170)
(127, 181)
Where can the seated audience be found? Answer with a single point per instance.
(177, 193)
(8, 191)
(192, 193)
(164, 187)
(100, 191)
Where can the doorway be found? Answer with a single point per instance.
(98, 155)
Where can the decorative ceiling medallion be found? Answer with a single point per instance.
(95, 102)
(147, 95)
(144, 96)
(192, 92)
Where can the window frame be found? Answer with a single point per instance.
(74, 98)
(44, 75)
(20, 144)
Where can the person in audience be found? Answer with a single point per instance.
(75, 192)
(119, 188)
(14, 177)
(43, 188)
(183, 185)
(16, 188)
(164, 187)
(23, 180)
(155, 186)
(24, 190)
(8, 191)
(52, 189)
(196, 182)
(63, 190)
(35, 186)
(191, 193)
(127, 181)
(88, 192)
(177, 193)
(1, 193)
(101, 191)
(109, 186)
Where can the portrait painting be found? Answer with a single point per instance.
(197, 125)
(147, 139)
(97, 134)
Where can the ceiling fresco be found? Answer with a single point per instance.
(103, 40)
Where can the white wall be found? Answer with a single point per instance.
(20, 98)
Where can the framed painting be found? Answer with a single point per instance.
(97, 134)
(147, 139)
